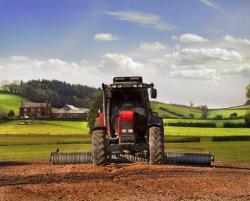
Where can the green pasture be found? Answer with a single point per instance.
(247, 107)
(39, 147)
(51, 127)
(241, 112)
(10, 102)
(219, 123)
(227, 151)
(194, 131)
(186, 110)
(179, 109)
(46, 127)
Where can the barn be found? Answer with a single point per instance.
(71, 112)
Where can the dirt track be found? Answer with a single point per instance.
(43, 181)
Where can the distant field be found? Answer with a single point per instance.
(44, 127)
(172, 111)
(10, 102)
(219, 123)
(241, 112)
(81, 128)
(194, 131)
(39, 147)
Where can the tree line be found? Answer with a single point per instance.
(55, 92)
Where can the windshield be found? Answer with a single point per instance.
(128, 98)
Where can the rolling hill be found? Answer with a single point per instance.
(240, 111)
(175, 111)
(10, 102)
(182, 111)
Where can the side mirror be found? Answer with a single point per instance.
(153, 93)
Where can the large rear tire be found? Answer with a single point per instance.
(156, 145)
(99, 147)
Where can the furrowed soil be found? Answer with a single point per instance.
(43, 181)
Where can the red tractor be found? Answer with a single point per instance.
(126, 124)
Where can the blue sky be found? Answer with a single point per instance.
(188, 45)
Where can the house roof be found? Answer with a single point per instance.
(71, 109)
(31, 104)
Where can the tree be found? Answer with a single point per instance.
(233, 115)
(53, 91)
(11, 114)
(204, 111)
(248, 94)
(219, 117)
(95, 105)
(247, 119)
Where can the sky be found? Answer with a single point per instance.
(193, 50)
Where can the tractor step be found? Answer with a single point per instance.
(170, 158)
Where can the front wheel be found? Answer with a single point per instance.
(156, 145)
(99, 147)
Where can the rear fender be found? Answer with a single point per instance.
(99, 124)
(155, 120)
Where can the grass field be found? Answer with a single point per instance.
(52, 127)
(178, 109)
(80, 128)
(219, 123)
(194, 131)
(229, 151)
(10, 102)
(227, 112)
(171, 110)
(39, 147)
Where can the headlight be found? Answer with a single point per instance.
(130, 130)
(124, 130)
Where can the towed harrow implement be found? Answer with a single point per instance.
(170, 158)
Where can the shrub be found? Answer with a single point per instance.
(192, 124)
(234, 115)
(171, 112)
(219, 117)
(233, 125)
(191, 116)
(11, 114)
(247, 120)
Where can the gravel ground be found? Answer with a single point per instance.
(43, 181)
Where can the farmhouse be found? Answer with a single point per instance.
(30, 109)
(71, 112)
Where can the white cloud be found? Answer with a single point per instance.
(118, 62)
(203, 55)
(105, 37)
(24, 68)
(151, 46)
(190, 38)
(186, 76)
(142, 18)
(243, 70)
(202, 74)
(209, 3)
(199, 63)
(232, 39)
